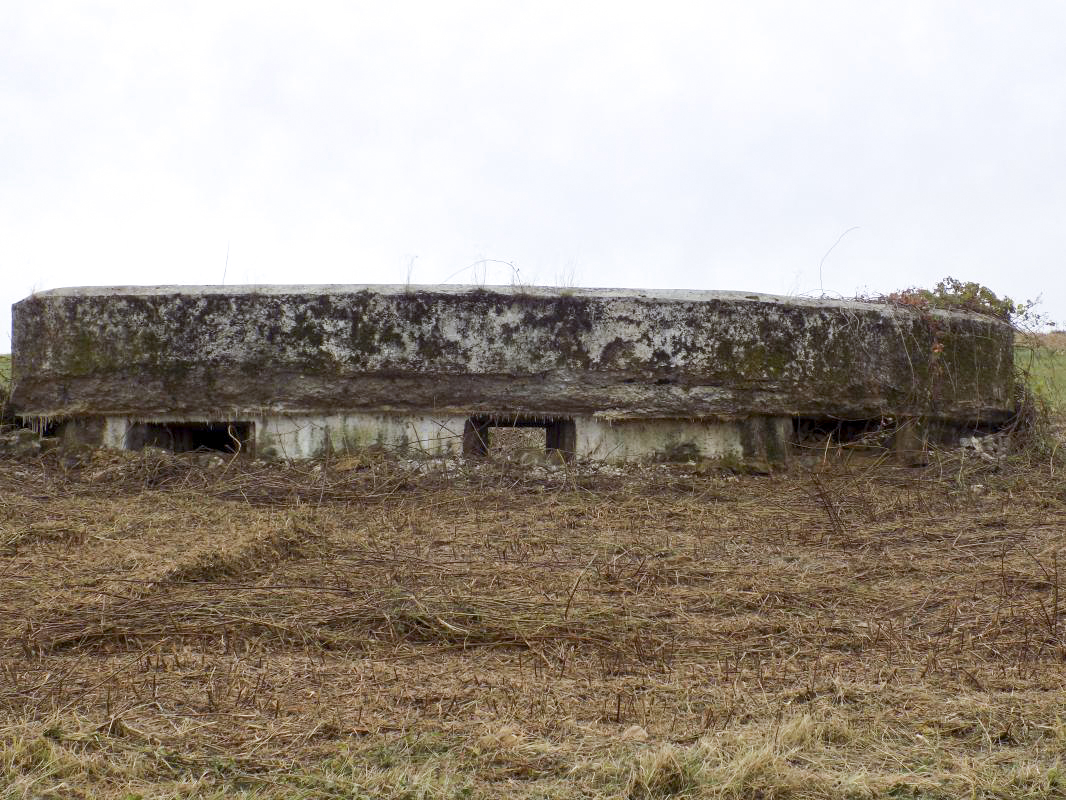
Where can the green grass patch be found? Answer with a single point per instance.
(1044, 362)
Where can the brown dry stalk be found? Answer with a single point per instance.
(391, 628)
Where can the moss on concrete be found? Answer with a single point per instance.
(535, 351)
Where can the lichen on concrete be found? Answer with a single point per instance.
(450, 352)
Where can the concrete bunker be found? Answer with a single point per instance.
(433, 371)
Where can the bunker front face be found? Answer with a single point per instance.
(616, 375)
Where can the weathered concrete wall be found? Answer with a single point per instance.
(630, 354)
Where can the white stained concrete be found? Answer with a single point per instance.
(411, 436)
(656, 440)
(114, 433)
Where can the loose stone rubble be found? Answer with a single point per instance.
(20, 443)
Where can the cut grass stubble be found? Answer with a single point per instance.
(380, 629)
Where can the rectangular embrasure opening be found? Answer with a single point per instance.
(515, 435)
(820, 430)
(187, 437)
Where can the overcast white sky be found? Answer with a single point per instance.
(711, 145)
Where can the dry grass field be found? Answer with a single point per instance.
(373, 629)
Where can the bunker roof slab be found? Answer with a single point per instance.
(615, 353)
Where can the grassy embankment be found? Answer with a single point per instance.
(1043, 358)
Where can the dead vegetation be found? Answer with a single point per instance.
(1052, 340)
(365, 628)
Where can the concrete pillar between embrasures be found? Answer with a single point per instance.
(766, 439)
(561, 438)
(915, 438)
(93, 431)
(910, 442)
(476, 437)
(85, 431)
(761, 439)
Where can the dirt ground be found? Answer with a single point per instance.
(198, 627)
